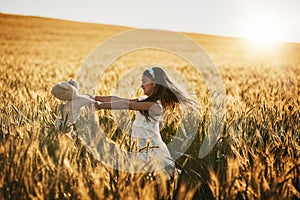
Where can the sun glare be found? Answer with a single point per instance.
(264, 31)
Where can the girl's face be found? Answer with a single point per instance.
(147, 85)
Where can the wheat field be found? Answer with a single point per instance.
(256, 157)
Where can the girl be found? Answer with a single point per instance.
(162, 95)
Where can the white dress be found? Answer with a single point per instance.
(148, 144)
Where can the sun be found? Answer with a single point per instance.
(263, 30)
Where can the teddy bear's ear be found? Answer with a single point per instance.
(74, 83)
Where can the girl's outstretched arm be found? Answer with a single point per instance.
(110, 99)
(118, 103)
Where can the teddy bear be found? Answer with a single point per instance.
(70, 111)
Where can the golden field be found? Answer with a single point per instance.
(257, 156)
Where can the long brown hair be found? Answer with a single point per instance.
(165, 91)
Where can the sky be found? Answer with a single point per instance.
(261, 20)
